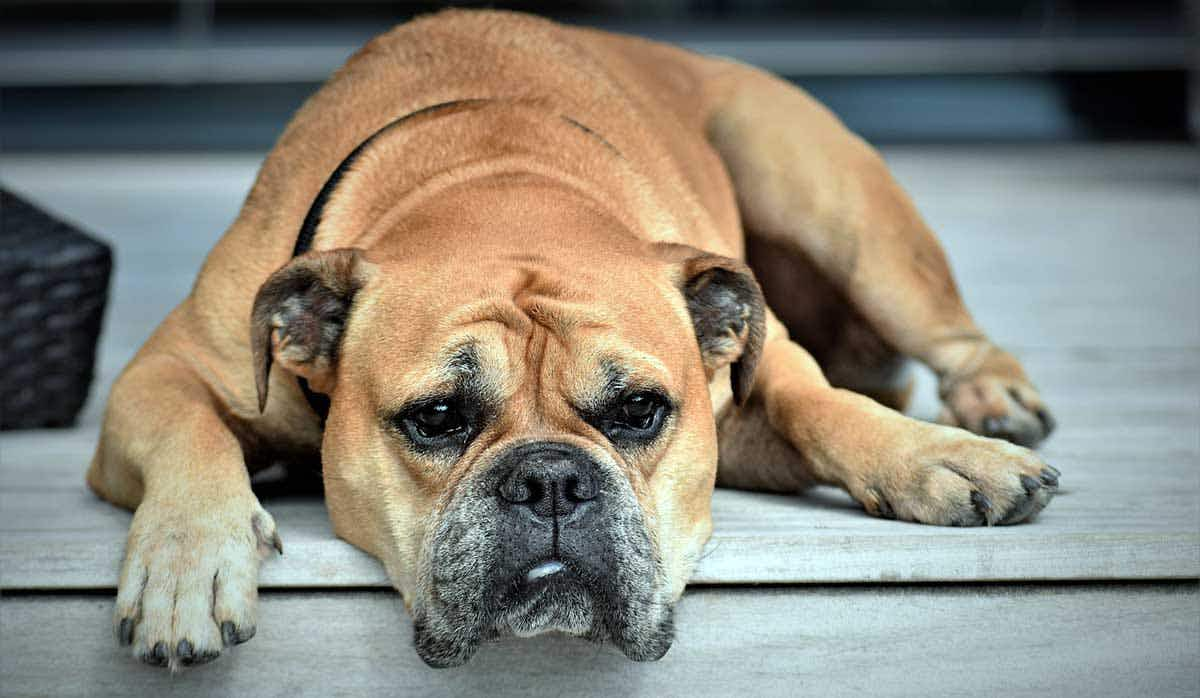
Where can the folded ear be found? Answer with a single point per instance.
(298, 316)
(727, 309)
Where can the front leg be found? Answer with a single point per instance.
(808, 186)
(895, 466)
(189, 584)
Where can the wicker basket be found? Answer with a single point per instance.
(53, 287)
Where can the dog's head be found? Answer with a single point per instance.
(520, 427)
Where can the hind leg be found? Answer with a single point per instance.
(819, 318)
(808, 186)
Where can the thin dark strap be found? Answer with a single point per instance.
(308, 230)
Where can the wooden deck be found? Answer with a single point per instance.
(1083, 260)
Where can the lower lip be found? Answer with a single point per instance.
(546, 569)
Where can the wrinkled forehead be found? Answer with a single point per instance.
(518, 322)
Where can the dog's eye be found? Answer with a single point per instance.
(438, 419)
(640, 411)
(436, 422)
(638, 417)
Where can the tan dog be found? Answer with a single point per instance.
(524, 307)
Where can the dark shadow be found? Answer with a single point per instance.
(288, 480)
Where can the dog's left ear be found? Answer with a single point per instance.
(727, 309)
(299, 314)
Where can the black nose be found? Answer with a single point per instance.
(551, 480)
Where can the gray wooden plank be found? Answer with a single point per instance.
(1075, 640)
(1066, 246)
(1149, 401)
(759, 539)
(1128, 446)
(1148, 398)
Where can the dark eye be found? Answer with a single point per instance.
(438, 419)
(439, 423)
(639, 411)
(637, 417)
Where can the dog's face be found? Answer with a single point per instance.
(521, 427)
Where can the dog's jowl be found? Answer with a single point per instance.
(529, 292)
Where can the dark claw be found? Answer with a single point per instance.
(883, 508)
(1003, 428)
(228, 633)
(1049, 477)
(157, 656)
(184, 651)
(277, 543)
(206, 657)
(125, 634)
(1023, 508)
(232, 635)
(982, 504)
(1031, 485)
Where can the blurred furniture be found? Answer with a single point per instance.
(53, 288)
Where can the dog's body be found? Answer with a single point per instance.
(524, 301)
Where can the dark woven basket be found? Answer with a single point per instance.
(53, 287)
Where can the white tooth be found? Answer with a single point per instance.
(544, 570)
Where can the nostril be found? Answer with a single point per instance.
(534, 491)
(518, 490)
(580, 489)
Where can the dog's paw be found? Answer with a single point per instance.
(189, 585)
(958, 479)
(997, 400)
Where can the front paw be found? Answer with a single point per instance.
(955, 479)
(189, 585)
(997, 400)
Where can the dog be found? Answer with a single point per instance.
(529, 292)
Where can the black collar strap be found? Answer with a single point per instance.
(308, 231)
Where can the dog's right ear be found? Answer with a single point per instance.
(298, 316)
(727, 309)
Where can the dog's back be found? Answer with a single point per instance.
(644, 98)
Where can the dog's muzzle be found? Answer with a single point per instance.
(547, 538)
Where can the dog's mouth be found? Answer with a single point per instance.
(551, 596)
(493, 570)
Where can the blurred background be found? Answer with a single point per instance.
(217, 74)
(1062, 126)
